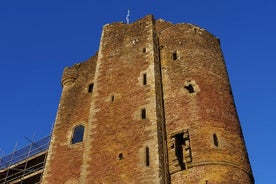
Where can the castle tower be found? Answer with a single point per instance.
(154, 105)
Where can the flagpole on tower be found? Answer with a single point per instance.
(127, 17)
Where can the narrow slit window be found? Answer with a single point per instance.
(90, 88)
(174, 56)
(112, 98)
(78, 134)
(144, 50)
(145, 79)
(147, 157)
(215, 139)
(143, 114)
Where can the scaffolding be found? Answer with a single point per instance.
(25, 165)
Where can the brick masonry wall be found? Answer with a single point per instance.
(64, 161)
(176, 74)
(198, 99)
(116, 127)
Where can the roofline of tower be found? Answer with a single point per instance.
(163, 20)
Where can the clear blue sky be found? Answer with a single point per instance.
(39, 38)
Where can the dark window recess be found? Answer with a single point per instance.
(190, 88)
(179, 142)
(174, 56)
(78, 134)
(147, 157)
(145, 79)
(90, 87)
(120, 156)
(215, 138)
(112, 98)
(180, 146)
(143, 114)
(144, 50)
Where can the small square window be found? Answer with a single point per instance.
(120, 156)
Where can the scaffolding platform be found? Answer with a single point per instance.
(25, 165)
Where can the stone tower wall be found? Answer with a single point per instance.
(205, 142)
(124, 86)
(156, 107)
(64, 161)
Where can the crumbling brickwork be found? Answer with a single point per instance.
(156, 106)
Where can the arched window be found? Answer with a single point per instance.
(78, 134)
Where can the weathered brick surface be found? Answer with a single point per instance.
(64, 162)
(176, 73)
(208, 110)
(117, 126)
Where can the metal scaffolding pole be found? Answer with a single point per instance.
(9, 164)
(28, 156)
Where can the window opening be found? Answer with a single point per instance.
(78, 134)
(174, 56)
(112, 98)
(181, 151)
(145, 79)
(90, 87)
(147, 157)
(215, 139)
(120, 156)
(143, 114)
(190, 88)
(179, 142)
(144, 50)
